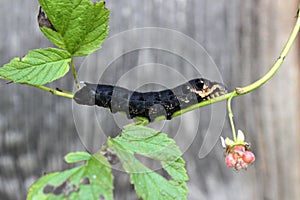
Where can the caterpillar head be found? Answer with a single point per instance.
(207, 89)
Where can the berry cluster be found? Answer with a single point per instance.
(239, 158)
(237, 152)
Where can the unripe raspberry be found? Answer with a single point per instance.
(239, 150)
(238, 166)
(237, 154)
(248, 157)
(244, 164)
(230, 160)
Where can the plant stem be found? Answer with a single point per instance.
(74, 73)
(237, 92)
(277, 64)
(55, 92)
(256, 84)
(230, 115)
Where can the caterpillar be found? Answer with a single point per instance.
(149, 104)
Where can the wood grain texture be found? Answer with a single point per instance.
(243, 38)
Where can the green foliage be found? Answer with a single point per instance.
(75, 157)
(150, 143)
(93, 180)
(38, 67)
(80, 27)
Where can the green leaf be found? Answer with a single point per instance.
(80, 26)
(77, 157)
(38, 67)
(93, 180)
(138, 132)
(149, 184)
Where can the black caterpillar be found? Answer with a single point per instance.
(149, 104)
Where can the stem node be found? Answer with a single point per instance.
(239, 90)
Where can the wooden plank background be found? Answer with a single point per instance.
(243, 38)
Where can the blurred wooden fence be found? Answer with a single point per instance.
(243, 38)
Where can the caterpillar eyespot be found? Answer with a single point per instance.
(149, 104)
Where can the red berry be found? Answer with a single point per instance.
(238, 166)
(244, 165)
(230, 160)
(248, 157)
(239, 150)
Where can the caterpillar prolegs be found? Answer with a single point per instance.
(149, 104)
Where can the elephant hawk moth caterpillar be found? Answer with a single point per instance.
(149, 104)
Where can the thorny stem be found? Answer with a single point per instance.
(278, 62)
(256, 84)
(229, 96)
